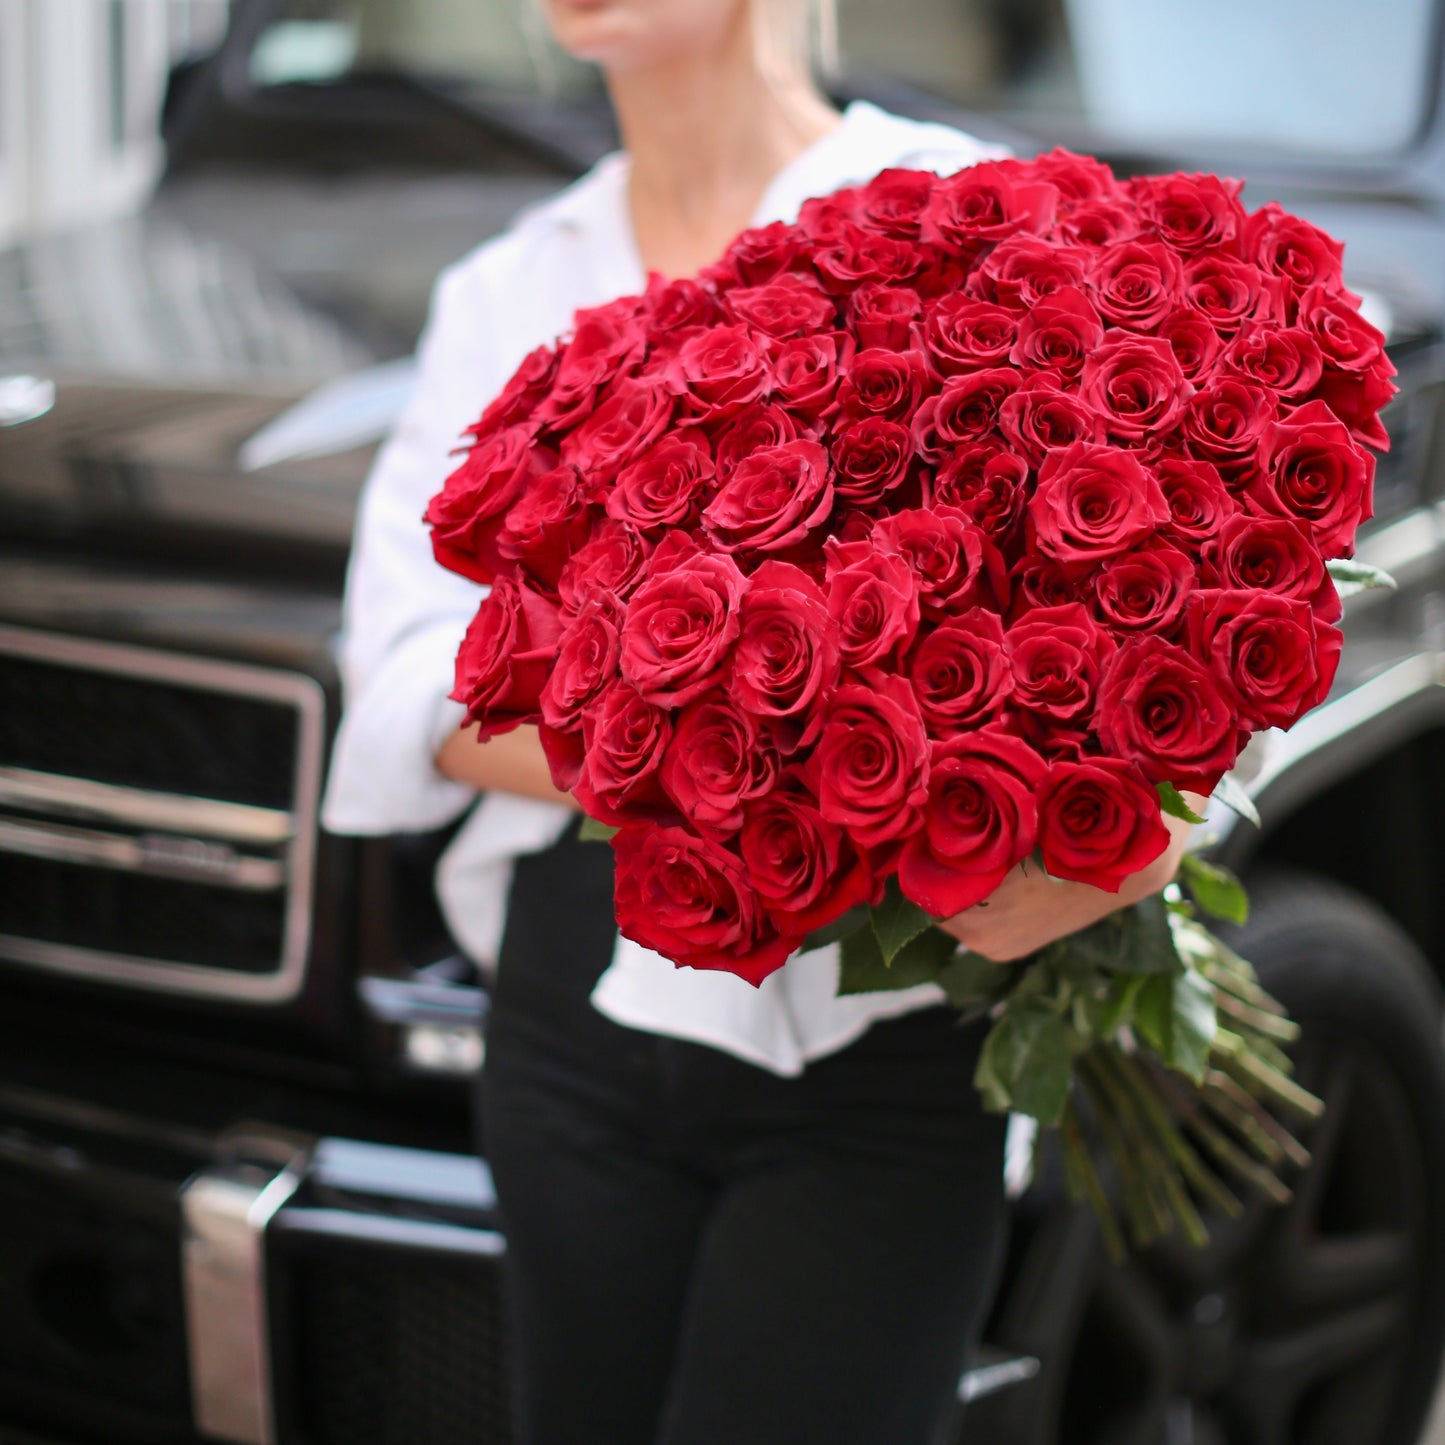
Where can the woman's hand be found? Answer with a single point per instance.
(1029, 909)
(510, 763)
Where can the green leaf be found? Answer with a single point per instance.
(1216, 890)
(1116, 1008)
(1176, 1017)
(1172, 801)
(973, 982)
(897, 921)
(592, 831)
(840, 927)
(1236, 799)
(863, 969)
(1352, 577)
(1136, 939)
(1026, 1064)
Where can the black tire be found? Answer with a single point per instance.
(1320, 1323)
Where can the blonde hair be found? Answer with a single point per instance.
(796, 37)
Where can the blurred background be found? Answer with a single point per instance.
(237, 1195)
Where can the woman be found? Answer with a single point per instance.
(733, 1215)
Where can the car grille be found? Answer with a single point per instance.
(157, 816)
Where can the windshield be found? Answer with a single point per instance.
(1328, 77)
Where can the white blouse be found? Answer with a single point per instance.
(404, 615)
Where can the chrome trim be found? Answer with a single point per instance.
(192, 860)
(420, 1234)
(990, 1377)
(140, 808)
(224, 1213)
(203, 674)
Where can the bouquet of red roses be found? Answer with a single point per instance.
(957, 526)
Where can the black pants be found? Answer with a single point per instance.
(702, 1253)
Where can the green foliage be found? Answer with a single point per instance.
(1026, 1063)
(1216, 890)
(1351, 577)
(592, 831)
(840, 927)
(1175, 1016)
(920, 960)
(897, 921)
(1172, 802)
(1229, 792)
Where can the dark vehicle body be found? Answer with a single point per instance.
(238, 1198)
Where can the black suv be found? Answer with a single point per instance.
(238, 1199)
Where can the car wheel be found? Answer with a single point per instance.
(1321, 1322)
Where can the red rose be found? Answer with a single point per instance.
(1023, 271)
(1135, 384)
(860, 257)
(1058, 334)
(1058, 655)
(680, 305)
(1272, 652)
(966, 410)
(872, 762)
(961, 673)
(1346, 340)
(1357, 397)
(689, 899)
(1094, 502)
(468, 514)
(806, 371)
(893, 202)
(753, 429)
(586, 662)
(980, 822)
(1275, 556)
(1315, 472)
(607, 342)
(788, 305)
(787, 653)
(1077, 178)
(1098, 223)
(624, 740)
(961, 334)
(803, 867)
(1197, 497)
(717, 759)
(609, 564)
(1038, 583)
(986, 485)
(1099, 823)
(872, 457)
(1292, 249)
(664, 486)
(1227, 292)
(882, 316)
(1143, 590)
(1190, 213)
(629, 418)
(986, 202)
(504, 658)
(1162, 709)
(680, 626)
(956, 566)
(522, 394)
(1224, 421)
(1041, 418)
(719, 370)
(773, 499)
(1286, 360)
(1194, 342)
(759, 254)
(883, 383)
(873, 598)
(546, 524)
(1136, 283)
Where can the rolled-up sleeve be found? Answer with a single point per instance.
(404, 615)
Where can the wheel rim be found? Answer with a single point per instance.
(1286, 1329)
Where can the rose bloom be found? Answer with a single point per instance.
(1228, 292)
(773, 499)
(980, 821)
(1136, 283)
(720, 370)
(751, 430)
(505, 657)
(962, 334)
(788, 305)
(1024, 271)
(1190, 213)
(961, 674)
(873, 599)
(1224, 421)
(624, 740)
(987, 485)
(1093, 502)
(1198, 500)
(607, 342)
(631, 415)
(585, 662)
(1144, 590)
(883, 383)
(1099, 822)
(1315, 472)
(1274, 555)
(871, 457)
(1058, 334)
(803, 867)
(610, 564)
(893, 202)
(1272, 652)
(954, 562)
(965, 410)
(806, 372)
(882, 316)
(1161, 708)
(718, 758)
(1194, 342)
(1040, 419)
(664, 486)
(986, 202)
(872, 763)
(1058, 655)
(1285, 359)
(1135, 384)
(467, 516)
(546, 524)
(689, 899)
(1293, 249)
(680, 626)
